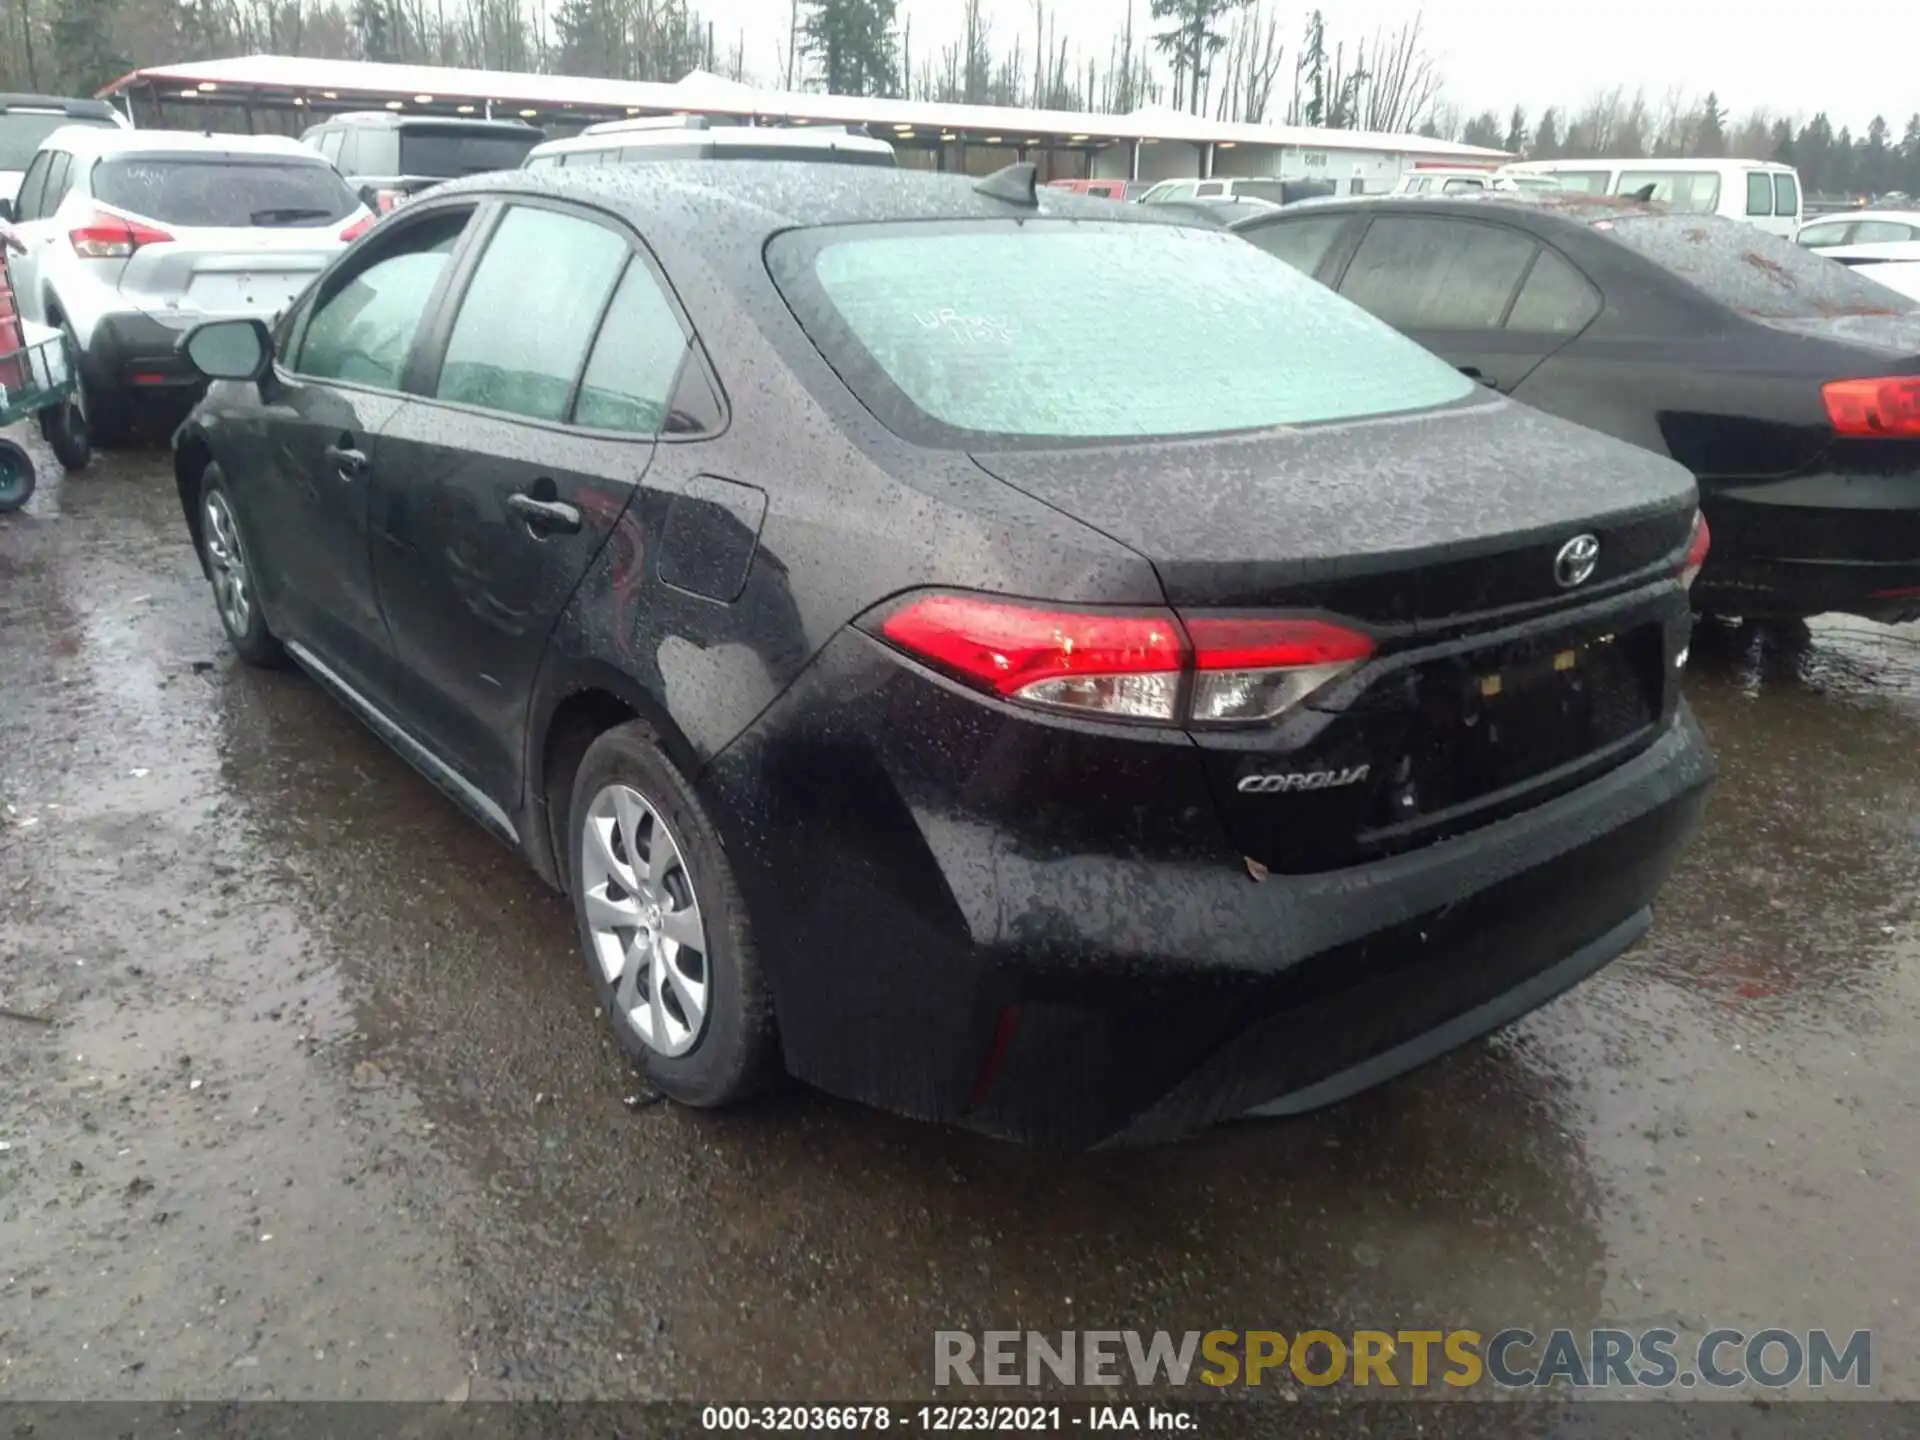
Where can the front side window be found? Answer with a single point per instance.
(1460, 185)
(1686, 191)
(1759, 195)
(984, 329)
(1303, 244)
(1748, 270)
(529, 313)
(362, 332)
(1817, 237)
(1434, 274)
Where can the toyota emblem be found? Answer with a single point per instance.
(1575, 563)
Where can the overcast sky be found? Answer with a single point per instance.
(1498, 53)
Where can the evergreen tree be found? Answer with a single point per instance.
(1711, 138)
(853, 42)
(1516, 132)
(371, 24)
(1546, 140)
(1483, 130)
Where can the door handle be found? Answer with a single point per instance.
(545, 516)
(348, 463)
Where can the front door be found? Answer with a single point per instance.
(500, 482)
(305, 484)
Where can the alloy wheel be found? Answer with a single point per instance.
(232, 588)
(644, 920)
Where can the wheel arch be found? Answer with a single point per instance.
(574, 705)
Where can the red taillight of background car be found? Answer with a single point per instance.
(1697, 546)
(1875, 409)
(358, 228)
(385, 200)
(1129, 665)
(109, 237)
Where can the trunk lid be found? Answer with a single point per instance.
(1415, 520)
(222, 271)
(1493, 685)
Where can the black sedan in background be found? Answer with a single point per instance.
(1789, 386)
(1075, 720)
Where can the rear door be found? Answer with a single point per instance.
(302, 465)
(501, 479)
(1465, 289)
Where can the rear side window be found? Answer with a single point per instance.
(1303, 244)
(987, 329)
(1759, 195)
(555, 269)
(1786, 195)
(1881, 232)
(362, 332)
(1460, 184)
(445, 151)
(629, 377)
(59, 181)
(1688, 192)
(223, 192)
(1748, 270)
(1437, 274)
(1556, 300)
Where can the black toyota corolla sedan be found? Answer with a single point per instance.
(1023, 661)
(1788, 385)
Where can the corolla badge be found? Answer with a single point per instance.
(1575, 563)
(1301, 780)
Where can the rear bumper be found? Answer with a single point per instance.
(132, 351)
(1815, 543)
(946, 936)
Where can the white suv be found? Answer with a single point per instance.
(133, 237)
(692, 137)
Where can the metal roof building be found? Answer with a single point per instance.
(1150, 144)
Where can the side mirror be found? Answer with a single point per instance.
(6, 212)
(229, 349)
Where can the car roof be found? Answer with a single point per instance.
(1549, 206)
(57, 104)
(1644, 162)
(1847, 217)
(389, 120)
(91, 139)
(695, 198)
(761, 136)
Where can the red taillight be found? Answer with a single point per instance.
(1697, 546)
(1111, 663)
(1875, 409)
(358, 228)
(1127, 665)
(385, 200)
(108, 237)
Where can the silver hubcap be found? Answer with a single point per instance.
(644, 919)
(230, 589)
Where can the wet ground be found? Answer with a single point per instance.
(304, 1096)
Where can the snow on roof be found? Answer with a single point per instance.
(283, 77)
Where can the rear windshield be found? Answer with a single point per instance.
(185, 190)
(447, 152)
(22, 131)
(996, 329)
(1749, 270)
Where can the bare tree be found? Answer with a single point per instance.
(1253, 58)
(1403, 81)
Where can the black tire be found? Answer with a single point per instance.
(734, 1054)
(252, 641)
(64, 427)
(16, 477)
(106, 411)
